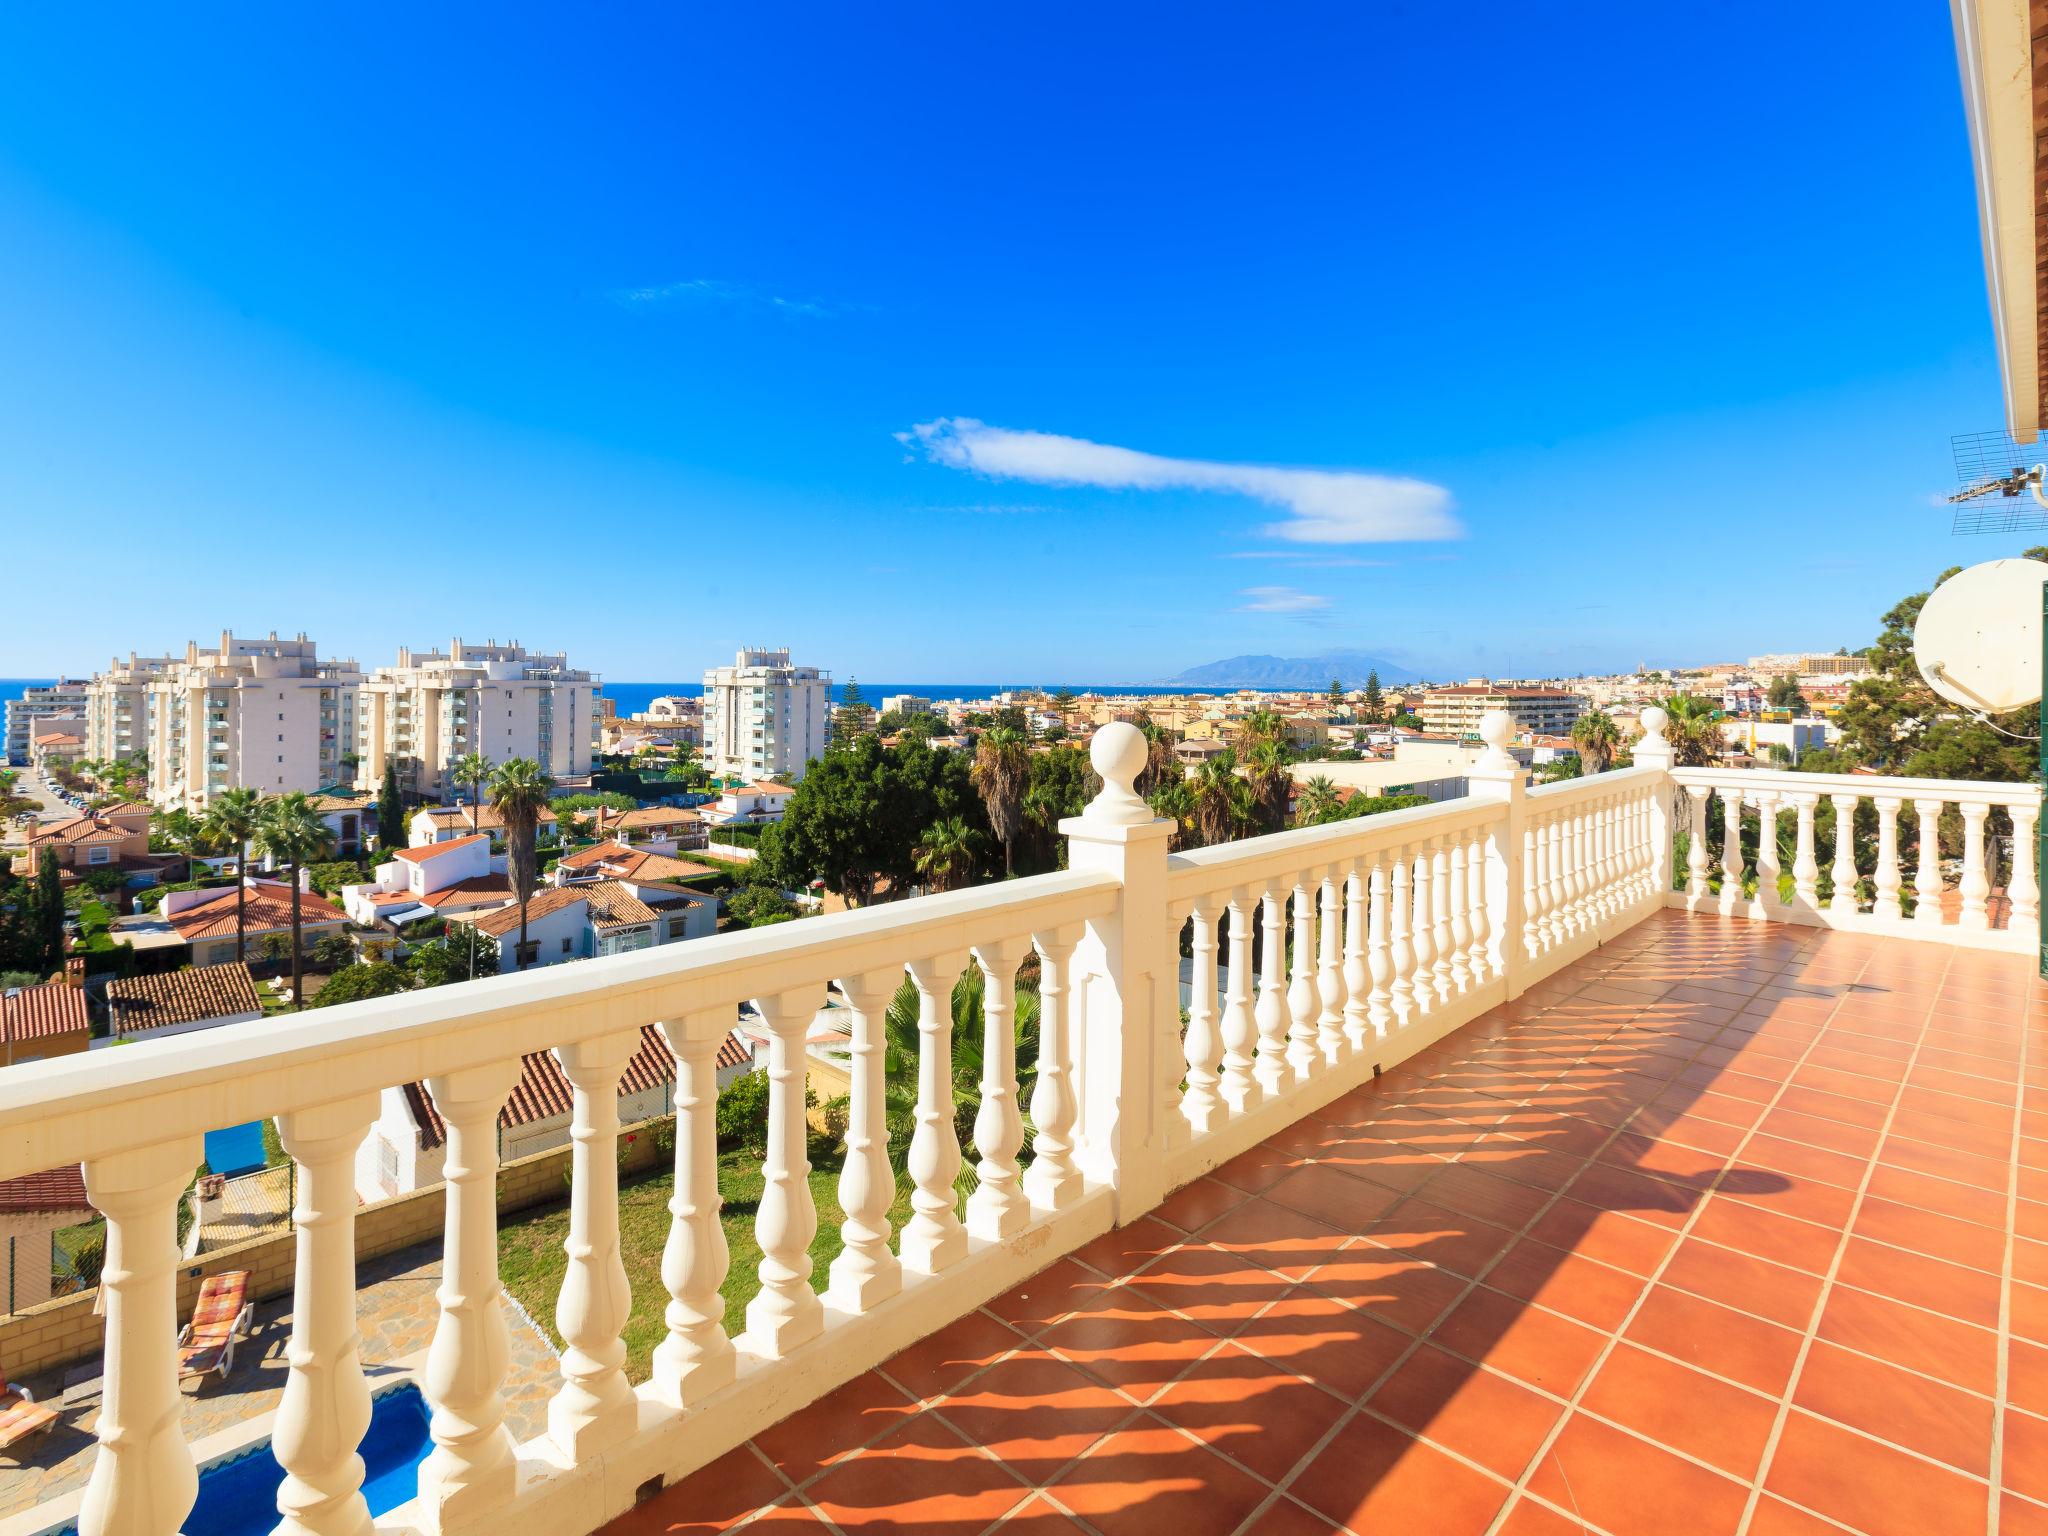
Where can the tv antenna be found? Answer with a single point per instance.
(1998, 489)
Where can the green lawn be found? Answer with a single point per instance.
(530, 1257)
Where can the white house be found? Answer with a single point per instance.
(408, 1143)
(446, 823)
(178, 1002)
(754, 804)
(598, 917)
(432, 880)
(557, 926)
(32, 1208)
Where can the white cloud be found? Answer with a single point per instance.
(707, 291)
(1323, 506)
(1280, 600)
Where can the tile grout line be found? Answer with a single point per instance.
(1820, 1304)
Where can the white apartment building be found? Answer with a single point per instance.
(264, 714)
(62, 701)
(435, 707)
(1809, 664)
(117, 706)
(907, 704)
(1456, 711)
(764, 718)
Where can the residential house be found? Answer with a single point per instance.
(445, 823)
(431, 880)
(177, 1002)
(1198, 750)
(206, 920)
(655, 828)
(749, 805)
(350, 816)
(56, 744)
(116, 837)
(44, 1021)
(33, 1208)
(598, 917)
(557, 927)
(611, 860)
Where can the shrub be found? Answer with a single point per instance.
(333, 951)
(369, 978)
(743, 1111)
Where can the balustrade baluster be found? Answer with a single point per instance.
(594, 1408)
(1269, 1064)
(1238, 1088)
(786, 1312)
(933, 1238)
(1843, 871)
(1559, 915)
(1201, 1103)
(143, 1480)
(1330, 972)
(1886, 880)
(1599, 885)
(1357, 978)
(696, 1358)
(1975, 887)
(1576, 871)
(997, 1208)
(1302, 1003)
(1440, 913)
(1379, 1007)
(1731, 852)
(1696, 861)
(1400, 952)
(1927, 872)
(472, 1468)
(1767, 895)
(1460, 921)
(325, 1409)
(1483, 967)
(1535, 937)
(2023, 886)
(1805, 867)
(1053, 1181)
(866, 1272)
(1422, 933)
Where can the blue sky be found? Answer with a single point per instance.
(1614, 336)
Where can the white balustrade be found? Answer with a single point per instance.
(1330, 973)
(1927, 872)
(1843, 871)
(1975, 886)
(1731, 852)
(595, 1408)
(2023, 885)
(1202, 1102)
(786, 1312)
(1440, 934)
(998, 1207)
(866, 1273)
(1238, 1086)
(1401, 951)
(1379, 961)
(1805, 867)
(696, 1358)
(1886, 880)
(1767, 895)
(1357, 978)
(933, 1238)
(1422, 933)
(1302, 1002)
(1269, 1064)
(1481, 941)
(1053, 1181)
(1696, 861)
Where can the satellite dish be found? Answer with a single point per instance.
(1978, 639)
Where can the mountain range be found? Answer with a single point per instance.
(1285, 673)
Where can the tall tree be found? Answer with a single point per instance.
(1266, 773)
(1224, 804)
(472, 771)
(291, 833)
(1175, 800)
(1694, 731)
(233, 821)
(1336, 695)
(1161, 766)
(390, 810)
(1375, 701)
(854, 716)
(1598, 738)
(48, 906)
(1318, 802)
(1783, 693)
(946, 854)
(519, 793)
(1002, 769)
(1063, 705)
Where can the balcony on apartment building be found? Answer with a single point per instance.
(1514, 1163)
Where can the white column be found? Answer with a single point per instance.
(1536, 875)
(1496, 776)
(1731, 852)
(1459, 920)
(1927, 872)
(1422, 932)
(1575, 870)
(1238, 1087)
(998, 1206)
(786, 1312)
(1053, 1182)
(1976, 886)
(1201, 1102)
(472, 1469)
(1805, 867)
(1887, 878)
(2023, 886)
(1269, 1063)
(1400, 952)
(595, 1408)
(866, 1272)
(1379, 1010)
(143, 1481)
(1357, 979)
(1475, 910)
(1696, 861)
(1767, 900)
(1843, 870)
(1654, 751)
(325, 1410)
(1330, 971)
(1559, 908)
(1440, 934)
(1301, 988)
(696, 1358)
(933, 1238)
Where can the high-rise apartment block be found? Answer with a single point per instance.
(117, 706)
(52, 705)
(435, 707)
(764, 718)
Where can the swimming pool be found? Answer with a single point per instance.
(236, 1150)
(238, 1496)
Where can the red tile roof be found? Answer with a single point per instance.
(52, 1190)
(38, 1013)
(543, 1089)
(505, 920)
(474, 891)
(269, 911)
(182, 997)
(617, 859)
(427, 851)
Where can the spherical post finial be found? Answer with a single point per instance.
(1654, 720)
(1119, 753)
(1495, 729)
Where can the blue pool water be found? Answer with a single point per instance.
(239, 1497)
(238, 1149)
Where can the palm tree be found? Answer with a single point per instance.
(232, 821)
(1694, 731)
(1265, 768)
(900, 1048)
(472, 771)
(519, 793)
(946, 854)
(1318, 802)
(1161, 766)
(1002, 770)
(1597, 738)
(1260, 725)
(1224, 805)
(1175, 800)
(290, 832)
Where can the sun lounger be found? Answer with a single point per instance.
(221, 1316)
(22, 1418)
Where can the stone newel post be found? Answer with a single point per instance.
(1131, 1012)
(1497, 776)
(1654, 751)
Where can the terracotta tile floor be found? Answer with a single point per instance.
(1728, 1228)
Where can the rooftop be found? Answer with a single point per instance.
(37, 1013)
(186, 996)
